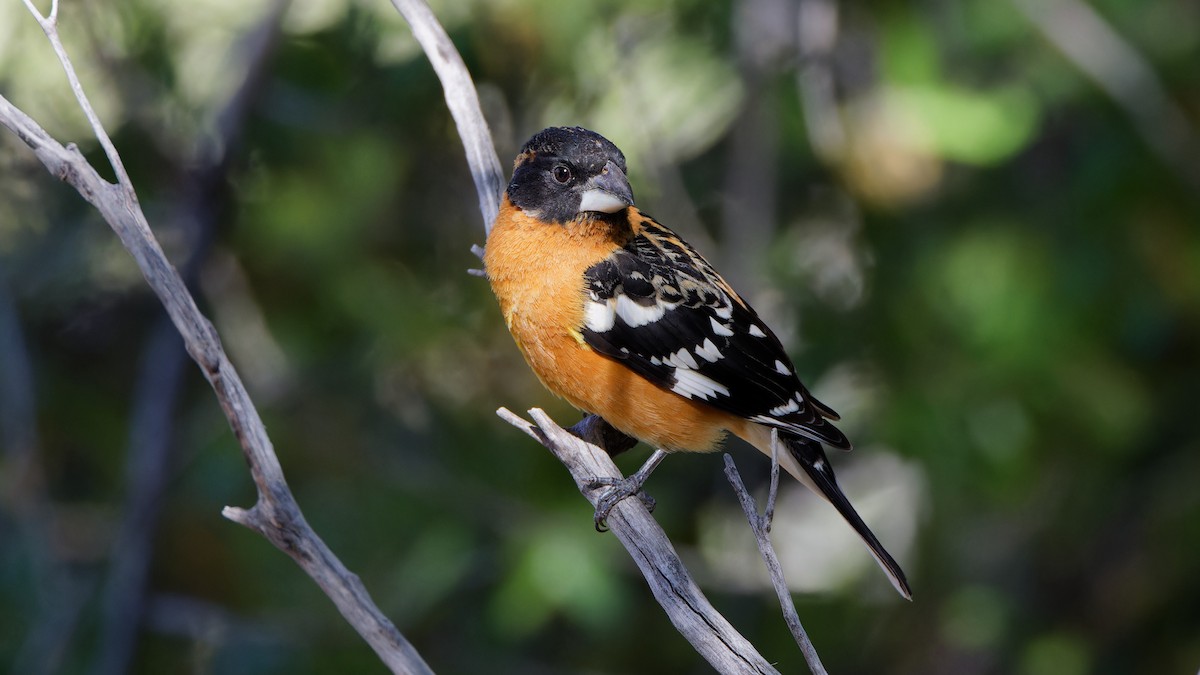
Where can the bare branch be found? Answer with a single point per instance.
(276, 515)
(463, 102)
(694, 617)
(709, 633)
(49, 26)
(769, 513)
(761, 526)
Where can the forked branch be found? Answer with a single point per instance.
(761, 526)
(691, 613)
(276, 515)
(694, 617)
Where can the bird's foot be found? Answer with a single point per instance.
(617, 489)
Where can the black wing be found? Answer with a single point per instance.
(661, 310)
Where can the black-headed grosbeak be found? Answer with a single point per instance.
(622, 318)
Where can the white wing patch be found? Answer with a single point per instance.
(599, 316)
(647, 305)
(635, 315)
(790, 407)
(692, 384)
(719, 328)
(709, 352)
(683, 359)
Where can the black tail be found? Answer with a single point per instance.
(811, 458)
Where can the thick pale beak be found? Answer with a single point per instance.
(608, 193)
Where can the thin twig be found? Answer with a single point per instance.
(49, 25)
(691, 613)
(463, 102)
(709, 633)
(769, 513)
(477, 251)
(276, 514)
(761, 525)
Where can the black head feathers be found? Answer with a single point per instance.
(565, 171)
(574, 143)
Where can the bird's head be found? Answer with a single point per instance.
(563, 172)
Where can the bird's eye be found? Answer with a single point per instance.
(562, 174)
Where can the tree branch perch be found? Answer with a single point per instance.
(761, 526)
(463, 102)
(276, 515)
(709, 633)
(693, 615)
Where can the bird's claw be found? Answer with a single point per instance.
(616, 490)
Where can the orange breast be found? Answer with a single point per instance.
(536, 271)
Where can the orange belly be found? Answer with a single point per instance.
(595, 383)
(536, 272)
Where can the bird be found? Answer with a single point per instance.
(618, 315)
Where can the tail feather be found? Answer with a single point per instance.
(819, 474)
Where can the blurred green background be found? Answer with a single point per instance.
(975, 225)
